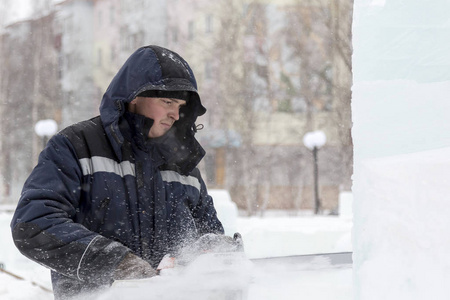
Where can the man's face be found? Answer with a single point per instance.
(163, 111)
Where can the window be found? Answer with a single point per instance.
(191, 30)
(111, 15)
(68, 25)
(113, 53)
(209, 24)
(99, 57)
(69, 61)
(208, 70)
(175, 35)
(99, 18)
(60, 65)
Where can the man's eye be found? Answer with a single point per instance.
(167, 102)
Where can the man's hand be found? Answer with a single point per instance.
(133, 267)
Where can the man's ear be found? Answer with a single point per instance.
(132, 106)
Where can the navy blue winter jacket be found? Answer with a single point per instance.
(102, 189)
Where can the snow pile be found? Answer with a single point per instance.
(227, 210)
(317, 280)
(273, 235)
(401, 135)
(292, 236)
(314, 282)
(401, 228)
(210, 276)
(12, 288)
(15, 289)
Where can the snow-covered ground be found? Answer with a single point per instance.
(276, 234)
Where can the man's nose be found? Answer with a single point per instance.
(174, 113)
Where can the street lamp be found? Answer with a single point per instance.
(314, 140)
(45, 129)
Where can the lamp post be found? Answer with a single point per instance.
(45, 129)
(314, 140)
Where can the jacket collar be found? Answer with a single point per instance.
(174, 150)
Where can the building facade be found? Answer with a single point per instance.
(30, 91)
(268, 72)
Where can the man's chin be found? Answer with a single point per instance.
(161, 133)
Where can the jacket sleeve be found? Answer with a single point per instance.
(205, 213)
(43, 228)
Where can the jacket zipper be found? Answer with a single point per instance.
(104, 206)
(113, 132)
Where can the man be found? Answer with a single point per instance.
(112, 195)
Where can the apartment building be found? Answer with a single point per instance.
(268, 72)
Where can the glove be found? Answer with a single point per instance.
(133, 267)
(211, 243)
(238, 241)
(219, 243)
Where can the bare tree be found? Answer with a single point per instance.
(4, 11)
(29, 92)
(319, 38)
(341, 27)
(245, 51)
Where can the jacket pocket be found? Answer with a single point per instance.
(103, 210)
(97, 215)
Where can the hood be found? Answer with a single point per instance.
(150, 68)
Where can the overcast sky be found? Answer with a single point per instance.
(14, 10)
